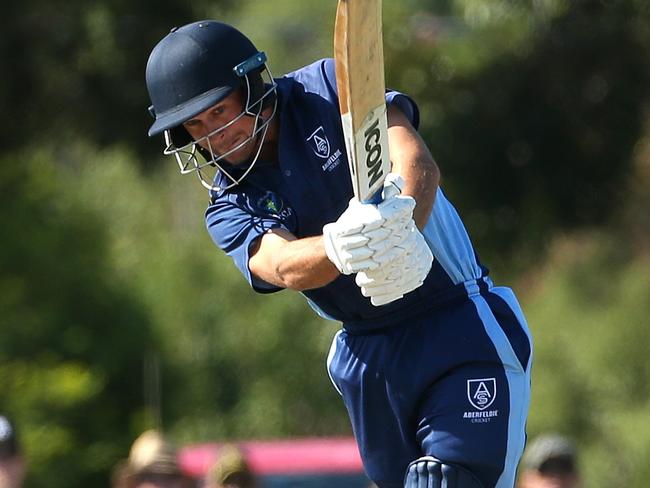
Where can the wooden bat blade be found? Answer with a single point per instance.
(359, 57)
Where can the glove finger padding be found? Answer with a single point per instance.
(349, 253)
(396, 210)
(400, 276)
(381, 294)
(367, 236)
(346, 242)
(401, 242)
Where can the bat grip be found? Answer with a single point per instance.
(376, 198)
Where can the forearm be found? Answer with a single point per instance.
(303, 265)
(421, 178)
(412, 160)
(297, 264)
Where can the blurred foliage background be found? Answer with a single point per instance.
(118, 314)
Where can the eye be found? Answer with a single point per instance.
(218, 110)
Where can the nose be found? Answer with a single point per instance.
(214, 135)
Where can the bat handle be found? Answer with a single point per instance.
(376, 198)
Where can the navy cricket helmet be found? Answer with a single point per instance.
(192, 68)
(195, 67)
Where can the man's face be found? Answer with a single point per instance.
(225, 140)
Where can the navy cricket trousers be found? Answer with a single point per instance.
(453, 383)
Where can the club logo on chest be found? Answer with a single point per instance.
(319, 143)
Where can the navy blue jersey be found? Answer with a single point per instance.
(311, 186)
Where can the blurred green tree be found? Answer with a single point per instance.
(77, 69)
(72, 339)
(536, 136)
(591, 374)
(242, 364)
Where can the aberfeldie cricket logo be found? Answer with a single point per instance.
(373, 155)
(481, 393)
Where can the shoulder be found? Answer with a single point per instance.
(317, 77)
(228, 202)
(406, 104)
(223, 211)
(247, 206)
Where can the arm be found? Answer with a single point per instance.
(278, 257)
(412, 160)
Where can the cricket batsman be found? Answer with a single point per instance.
(432, 360)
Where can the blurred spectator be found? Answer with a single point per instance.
(550, 461)
(12, 464)
(230, 470)
(151, 464)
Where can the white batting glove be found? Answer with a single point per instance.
(398, 212)
(367, 236)
(400, 276)
(349, 241)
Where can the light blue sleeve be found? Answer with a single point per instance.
(234, 230)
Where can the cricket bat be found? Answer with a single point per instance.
(359, 58)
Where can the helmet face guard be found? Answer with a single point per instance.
(192, 69)
(198, 156)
